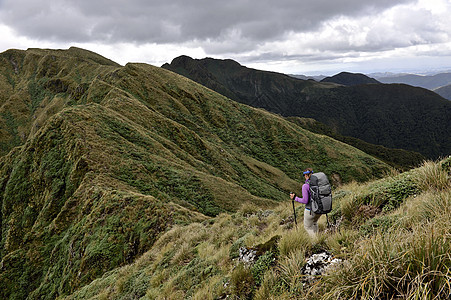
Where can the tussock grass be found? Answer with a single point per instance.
(289, 277)
(294, 241)
(397, 264)
(209, 291)
(399, 253)
(425, 207)
(343, 243)
(266, 290)
(409, 258)
(433, 175)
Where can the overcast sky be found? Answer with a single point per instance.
(289, 36)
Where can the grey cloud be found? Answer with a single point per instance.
(306, 58)
(175, 21)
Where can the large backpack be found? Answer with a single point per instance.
(320, 193)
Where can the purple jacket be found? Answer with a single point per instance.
(305, 194)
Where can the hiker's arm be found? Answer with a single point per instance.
(305, 195)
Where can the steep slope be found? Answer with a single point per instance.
(350, 79)
(67, 217)
(397, 158)
(272, 91)
(114, 156)
(444, 91)
(36, 83)
(393, 242)
(395, 116)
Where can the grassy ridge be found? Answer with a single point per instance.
(35, 84)
(393, 251)
(112, 157)
(65, 219)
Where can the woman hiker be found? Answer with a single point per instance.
(310, 218)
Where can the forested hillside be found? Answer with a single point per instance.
(392, 115)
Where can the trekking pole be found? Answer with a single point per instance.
(294, 213)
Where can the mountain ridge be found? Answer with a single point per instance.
(103, 159)
(430, 82)
(350, 79)
(380, 114)
(444, 91)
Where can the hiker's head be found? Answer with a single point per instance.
(307, 173)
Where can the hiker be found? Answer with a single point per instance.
(310, 218)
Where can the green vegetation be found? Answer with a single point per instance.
(34, 82)
(37, 93)
(11, 132)
(134, 182)
(397, 158)
(116, 156)
(396, 116)
(401, 253)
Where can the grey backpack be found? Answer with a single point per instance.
(320, 193)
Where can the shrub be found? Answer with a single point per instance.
(380, 223)
(234, 251)
(385, 195)
(242, 282)
(401, 188)
(262, 265)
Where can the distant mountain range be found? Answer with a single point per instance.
(430, 82)
(437, 82)
(304, 77)
(392, 115)
(444, 91)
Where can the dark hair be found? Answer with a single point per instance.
(308, 172)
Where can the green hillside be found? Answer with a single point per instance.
(103, 159)
(393, 241)
(393, 115)
(399, 159)
(36, 83)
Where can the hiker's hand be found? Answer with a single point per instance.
(292, 195)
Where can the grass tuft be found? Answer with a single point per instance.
(433, 175)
